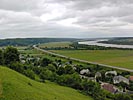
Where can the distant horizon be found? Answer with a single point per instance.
(65, 37)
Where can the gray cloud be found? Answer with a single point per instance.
(65, 18)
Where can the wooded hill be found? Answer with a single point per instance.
(31, 41)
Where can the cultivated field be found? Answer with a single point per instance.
(120, 58)
(18, 87)
(55, 44)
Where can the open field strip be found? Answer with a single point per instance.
(55, 44)
(120, 58)
(80, 60)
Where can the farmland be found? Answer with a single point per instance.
(55, 44)
(120, 58)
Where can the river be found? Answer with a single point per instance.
(106, 45)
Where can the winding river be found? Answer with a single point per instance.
(105, 45)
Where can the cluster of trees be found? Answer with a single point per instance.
(31, 41)
(10, 58)
(67, 76)
(59, 48)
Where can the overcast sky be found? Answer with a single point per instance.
(66, 18)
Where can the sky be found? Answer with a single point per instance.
(66, 18)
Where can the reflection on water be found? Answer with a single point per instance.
(105, 45)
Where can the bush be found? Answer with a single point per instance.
(17, 67)
(29, 73)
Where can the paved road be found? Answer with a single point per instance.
(79, 60)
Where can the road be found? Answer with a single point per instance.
(79, 60)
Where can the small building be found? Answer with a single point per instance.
(21, 57)
(85, 71)
(111, 72)
(88, 78)
(109, 87)
(131, 78)
(22, 61)
(118, 79)
(98, 74)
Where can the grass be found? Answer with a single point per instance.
(0, 89)
(18, 87)
(55, 44)
(120, 58)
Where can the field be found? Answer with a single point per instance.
(55, 44)
(120, 58)
(18, 87)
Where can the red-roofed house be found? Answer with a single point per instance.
(131, 78)
(109, 87)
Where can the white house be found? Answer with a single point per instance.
(98, 74)
(118, 79)
(85, 71)
(111, 72)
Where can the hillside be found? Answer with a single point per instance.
(31, 41)
(14, 86)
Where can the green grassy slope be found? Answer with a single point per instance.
(120, 58)
(15, 86)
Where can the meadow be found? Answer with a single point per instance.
(16, 86)
(55, 44)
(120, 58)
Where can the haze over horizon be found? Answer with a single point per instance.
(66, 18)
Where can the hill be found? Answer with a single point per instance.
(14, 86)
(31, 41)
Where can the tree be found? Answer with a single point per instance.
(30, 74)
(45, 62)
(69, 70)
(72, 80)
(1, 57)
(122, 97)
(92, 88)
(61, 70)
(46, 74)
(51, 67)
(17, 67)
(11, 55)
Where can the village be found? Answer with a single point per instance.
(109, 79)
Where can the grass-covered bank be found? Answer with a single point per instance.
(18, 87)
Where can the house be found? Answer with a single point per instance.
(118, 79)
(23, 61)
(92, 79)
(21, 57)
(109, 87)
(30, 59)
(111, 72)
(131, 78)
(98, 74)
(88, 78)
(85, 71)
